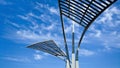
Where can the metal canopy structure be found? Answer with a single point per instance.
(48, 47)
(83, 12)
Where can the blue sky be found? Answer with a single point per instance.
(24, 22)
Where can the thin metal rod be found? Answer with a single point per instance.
(80, 40)
(85, 29)
(71, 10)
(73, 48)
(66, 47)
(77, 52)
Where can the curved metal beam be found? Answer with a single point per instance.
(66, 47)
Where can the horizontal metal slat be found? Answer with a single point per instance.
(90, 6)
(100, 3)
(86, 19)
(73, 20)
(77, 11)
(83, 7)
(99, 9)
(77, 17)
(88, 16)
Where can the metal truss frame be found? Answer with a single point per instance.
(49, 47)
(83, 12)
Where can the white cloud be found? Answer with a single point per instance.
(111, 40)
(105, 30)
(37, 51)
(107, 48)
(27, 34)
(37, 31)
(52, 10)
(3, 2)
(46, 54)
(68, 29)
(12, 23)
(39, 5)
(85, 52)
(28, 17)
(17, 59)
(107, 37)
(15, 24)
(23, 17)
(47, 18)
(30, 36)
(95, 32)
(108, 17)
(50, 28)
(37, 57)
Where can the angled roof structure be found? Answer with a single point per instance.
(84, 12)
(48, 47)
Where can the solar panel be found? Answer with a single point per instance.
(84, 12)
(48, 47)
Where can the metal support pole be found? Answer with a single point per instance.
(73, 47)
(77, 51)
(66, 47)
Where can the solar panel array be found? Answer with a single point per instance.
(48, 47)
(84, 12)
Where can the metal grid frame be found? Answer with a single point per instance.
(49, 47)
(83, 12)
